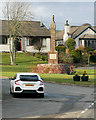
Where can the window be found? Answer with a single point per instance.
(29, 78)
(3, 40)
(44, 42)
(27, 42)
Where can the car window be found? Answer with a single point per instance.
(29, 78)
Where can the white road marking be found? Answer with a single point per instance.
(86, 109)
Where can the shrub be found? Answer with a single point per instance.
(84, 59)
(76, 54)
(65, 58)
(81, 47)
(37, 55)
(45, 57)
(70, 43)
(88, 49)
(93, 58)
(60, 48)
(42, 56)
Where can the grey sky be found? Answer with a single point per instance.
(77, 13)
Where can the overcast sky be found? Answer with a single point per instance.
(77, 13)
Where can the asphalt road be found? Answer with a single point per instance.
(61, 101)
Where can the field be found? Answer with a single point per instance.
(24, 62)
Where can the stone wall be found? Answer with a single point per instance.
(53, 68)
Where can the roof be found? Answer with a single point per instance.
(59, 35)
(86, 36)
(27, 28)
(75, 31)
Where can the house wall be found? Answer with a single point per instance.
(88, 31)
(25, 48)
(24, 44)
(4, 48)
(43, 50)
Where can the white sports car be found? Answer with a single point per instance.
(27, 83)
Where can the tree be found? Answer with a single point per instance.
(70, 43)
(15, 13)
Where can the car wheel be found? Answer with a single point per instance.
(41, 95)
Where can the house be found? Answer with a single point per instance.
(83, 35)
(33, 34)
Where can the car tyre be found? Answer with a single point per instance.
(15, 95)
(10, 91)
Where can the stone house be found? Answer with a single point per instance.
(33, 33)
(83, 35)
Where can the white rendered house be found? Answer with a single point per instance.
(83, 35)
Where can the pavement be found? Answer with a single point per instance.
(3, 77)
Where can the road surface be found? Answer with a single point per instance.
(61, 101)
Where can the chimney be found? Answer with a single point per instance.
(41, 23)
(67, 27)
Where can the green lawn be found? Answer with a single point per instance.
(25, 62)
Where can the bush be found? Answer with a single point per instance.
(65, 58)
(84, 59)
(60, 48)
(70, 43)
(88, 49)
(76, 54)
(81, 47)
(42, 56)
(93, 58)
(37, 55)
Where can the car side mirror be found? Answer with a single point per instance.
(11, 78)
(42, 78)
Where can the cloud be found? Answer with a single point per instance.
(39, 10)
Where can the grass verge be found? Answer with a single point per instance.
(25, 62)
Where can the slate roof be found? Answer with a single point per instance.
(75, 31)
(59, 35)
(27, 28)
(86, 36)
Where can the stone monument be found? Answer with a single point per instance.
(52, 66)
(53, 54)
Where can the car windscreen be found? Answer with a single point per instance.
(29, 78)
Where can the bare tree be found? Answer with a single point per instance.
(15, 13)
